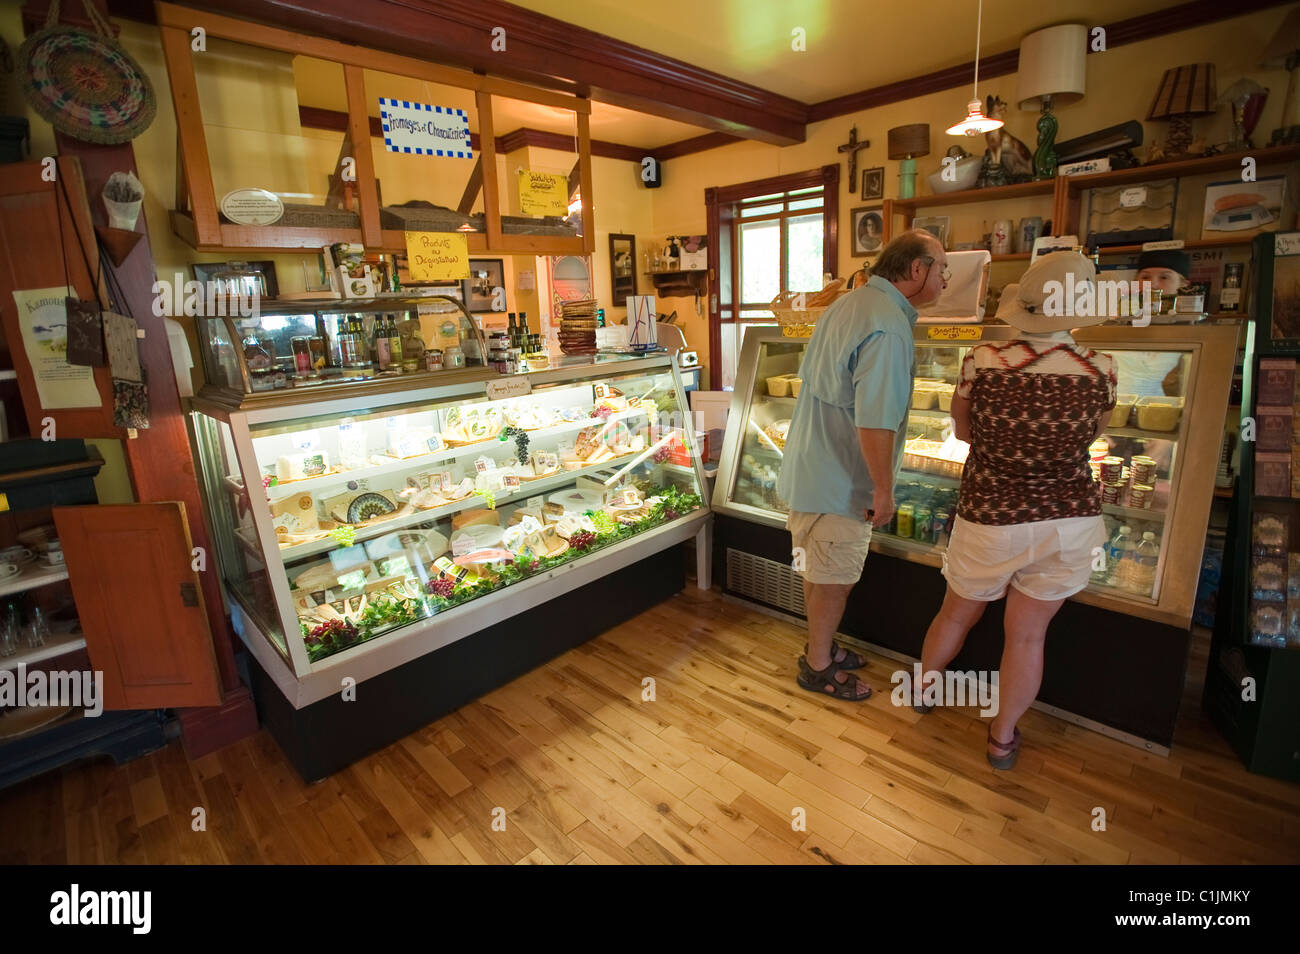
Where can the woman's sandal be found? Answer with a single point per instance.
(1012, 748)
(851, 659)
(816, 680)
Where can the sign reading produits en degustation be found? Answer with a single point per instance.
(437, 256)
(424, 130)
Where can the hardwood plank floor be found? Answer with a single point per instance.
(730, 763)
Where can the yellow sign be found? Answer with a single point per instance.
(955, 332)
(541, 193)
(437, 256)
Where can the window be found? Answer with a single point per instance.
(772, 236)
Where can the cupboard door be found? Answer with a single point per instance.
(140, 604)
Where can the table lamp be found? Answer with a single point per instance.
(1184, 92)
(906, 143)
(1051, 65)
(1284, 53)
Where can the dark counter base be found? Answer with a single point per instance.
(1118, 670)
(331, 734)
(122, 735)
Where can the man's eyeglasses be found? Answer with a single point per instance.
(929, 264)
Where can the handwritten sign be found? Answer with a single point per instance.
(423, 130)
(954, 332)
(508, 387)
(437, 256)
(541, 193)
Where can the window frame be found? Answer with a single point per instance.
(724, 205)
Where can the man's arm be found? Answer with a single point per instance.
(878, 451)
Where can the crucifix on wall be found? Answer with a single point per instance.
(852, 147)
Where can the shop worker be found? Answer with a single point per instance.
(845, 443)
(1029, 514)
(1154, 373)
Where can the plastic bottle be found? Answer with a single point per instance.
(1145, 557)
(1120, 545)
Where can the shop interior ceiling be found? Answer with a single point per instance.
(851, 44)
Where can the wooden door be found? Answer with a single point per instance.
(140, 604)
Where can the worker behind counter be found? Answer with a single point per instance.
(1156, 373)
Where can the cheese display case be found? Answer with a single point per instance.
(1155, 460)
(257, 348)
(361, 532)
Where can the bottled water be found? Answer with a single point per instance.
(1120, 545)
(1145, 558)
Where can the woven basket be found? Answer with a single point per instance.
(797, 323)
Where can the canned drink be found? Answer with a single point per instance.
(906, 518)
(1112, 470)
(921, 520)
(940, 525)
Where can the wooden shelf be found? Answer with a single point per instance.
(1134, 513)
(995, 194)
(62, 640)
(1138, 432)
(1202, 165)
(1013, 257)
(1187, 243)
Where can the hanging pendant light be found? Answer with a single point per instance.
(975, 123)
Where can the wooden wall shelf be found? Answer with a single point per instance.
(995, 194)
(681, 284)
(1202, 165)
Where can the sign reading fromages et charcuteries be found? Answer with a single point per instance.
(423, 130)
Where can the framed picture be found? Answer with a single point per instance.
(936, 225)
(485, 276)
(868, 223)
(205, 272)
(1280, 280)
(873, 183)
(1244, 208)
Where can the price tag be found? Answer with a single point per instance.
(600, 391)
(1286, 243)
(435, 443)
(1132, 198)
(445, 481)
(955, 332)
(535, 501)
(512, 481)
(508, 387)
(483, 464)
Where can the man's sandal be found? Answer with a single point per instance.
(816, 680)
(1012, 750)
(851, 659)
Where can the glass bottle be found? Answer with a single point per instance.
(38, 629)
(511, 329)
(394, 343)
(383, 352)
(9, 631)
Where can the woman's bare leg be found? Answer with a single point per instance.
(947, 633)
(1021, 671)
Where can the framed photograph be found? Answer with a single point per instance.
(485, 276)
(868, 223)
(1280, 269)
(873, 183)
(936, 225)
(205, 272)
(1244, 208)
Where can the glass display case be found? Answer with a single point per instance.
(251, 347)
(1155, 460)
(364, 530)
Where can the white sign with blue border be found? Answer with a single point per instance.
(423, 130)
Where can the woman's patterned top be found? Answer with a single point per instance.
(1035, 406)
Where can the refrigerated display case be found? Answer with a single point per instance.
(438, 539)
(1171, 441)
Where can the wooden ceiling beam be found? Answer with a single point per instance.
(540, 50)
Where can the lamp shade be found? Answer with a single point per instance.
(1185, 91)
(1285, 43)
(908, 142)
(1052, 64)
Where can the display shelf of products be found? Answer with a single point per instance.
(32, 576)
(474, 501)
(1019, 190)
(1184, 457)
(330, 562)
(62, 639)
(282, 490)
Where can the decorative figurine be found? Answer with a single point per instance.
(1008, 159)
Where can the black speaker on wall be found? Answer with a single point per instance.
(652, 172)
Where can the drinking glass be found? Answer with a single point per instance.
(38, 630)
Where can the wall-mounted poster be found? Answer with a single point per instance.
(43, 318)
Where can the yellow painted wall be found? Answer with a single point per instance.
(1120, 86)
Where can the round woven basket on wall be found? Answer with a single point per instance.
(85, 84)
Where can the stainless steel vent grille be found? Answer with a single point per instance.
(765, 580)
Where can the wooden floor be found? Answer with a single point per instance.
(712, 771)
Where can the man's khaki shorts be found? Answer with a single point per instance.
(828, 548)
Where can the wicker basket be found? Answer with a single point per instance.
(797, 324)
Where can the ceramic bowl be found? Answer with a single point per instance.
(968, 173)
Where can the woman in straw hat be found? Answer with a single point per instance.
(1029, 515)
